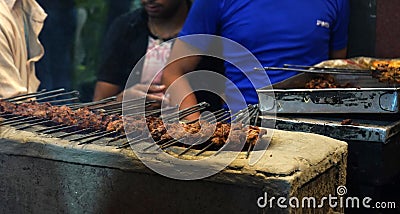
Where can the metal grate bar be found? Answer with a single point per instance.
(93, 134)
(31, 95)
(34, 124)
(98, 137)
(74, 132)
(74, 93)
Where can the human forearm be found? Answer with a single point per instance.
(182, 61)
(338, 54)
(104, 89)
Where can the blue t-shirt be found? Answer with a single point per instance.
(277, 32)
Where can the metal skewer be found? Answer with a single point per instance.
(94, 134)
(319, 71)
(98, 137)
(81, 105)
(19, 98)
(190, 147)
(34, 124)
(31, 95)
(19, 121)
(62, 128)
(204, 149)
(74, 132)
(52, 128)
(133, 142)
(75, 93)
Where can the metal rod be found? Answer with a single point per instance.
(116, 138)
(33, 124)
(59, 129)
(76, 93)
(23, 95)
(74, 132)
(131, 143)
(130, 108)
(219, 116)
(257, 117)
(252, 113)
(223, 116)
(248, 151)
(174, 114)
(181, 116)
(189, 148)
(324, 68)
(122, 136)
(98, 137)
(151, 112)
(147, 148)
(204, 149)
(81, 105)
(191, 109)
(234, 115)
(9, 115)
(51, 128)
(118, 103)
(94, 134)
(17, 117)
(12, 122)
(319, 71)
(64, 100)
(169, 143)
(35, 95)
(240, 117)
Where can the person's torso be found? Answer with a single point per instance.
(277, 33)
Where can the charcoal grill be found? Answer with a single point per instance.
(110, 107)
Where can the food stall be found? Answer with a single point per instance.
(75, 158)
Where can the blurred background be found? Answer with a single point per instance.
(72, 36)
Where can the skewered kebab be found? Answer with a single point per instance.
(84, 118)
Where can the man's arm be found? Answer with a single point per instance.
(181, 93)
(104, 89)
(338, 54)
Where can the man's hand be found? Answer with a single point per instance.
(154, 92)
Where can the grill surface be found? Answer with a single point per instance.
(59, 114)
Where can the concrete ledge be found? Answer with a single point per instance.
(43, 174)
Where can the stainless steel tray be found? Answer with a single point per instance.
(369, 96)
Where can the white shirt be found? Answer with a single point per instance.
(155, 59)
(17, 58)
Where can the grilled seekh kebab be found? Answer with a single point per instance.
(84, 118)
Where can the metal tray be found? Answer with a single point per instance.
(369, 96)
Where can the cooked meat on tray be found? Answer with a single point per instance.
(325, 81)
(388, 70)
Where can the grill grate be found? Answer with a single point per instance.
(23, 112)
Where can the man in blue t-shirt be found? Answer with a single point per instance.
(275, 32)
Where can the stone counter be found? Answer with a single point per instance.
(43, 174)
